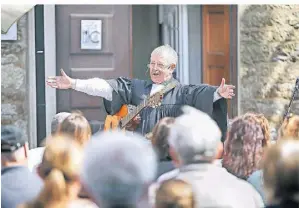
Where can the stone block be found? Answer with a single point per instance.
(272, 109)
(8, 110)
(9, 59)
(255, 53)
(12, 95)
(268, 15)
(14, 109)
(270, 80)
(13, 77)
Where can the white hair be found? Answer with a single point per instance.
(168, 54)
(118, 168)
(194, 136)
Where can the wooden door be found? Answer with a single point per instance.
(216, 42)
(216, 46)
(111, 61)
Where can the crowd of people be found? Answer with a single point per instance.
(183, 164)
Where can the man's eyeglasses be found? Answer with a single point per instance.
(159, 66)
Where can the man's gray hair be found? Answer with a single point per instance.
(169, 55)
(118, 168)
(194, 136)
(57, 120)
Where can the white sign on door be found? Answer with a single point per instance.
(91, 34)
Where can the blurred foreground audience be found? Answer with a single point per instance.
(174, 193)
(60, 169)
(18, 184)
(118, 169)
(281, 174)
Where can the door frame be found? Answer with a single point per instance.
(32, 111)
(181, 21)
(234, 72)
(233, 65)
(50, 62)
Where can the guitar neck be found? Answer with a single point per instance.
(130, 116)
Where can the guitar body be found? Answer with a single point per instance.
(112, 121)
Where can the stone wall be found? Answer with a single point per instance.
(269, 59)
(14, 90)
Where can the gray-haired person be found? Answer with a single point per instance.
(118, 169)
(18, 184)
(36, 154)
(193, 140)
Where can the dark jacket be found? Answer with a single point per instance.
(164, 167)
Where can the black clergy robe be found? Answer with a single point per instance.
(133, 91)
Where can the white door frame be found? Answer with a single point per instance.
(174, 19)
(50, 62)
(32, 114)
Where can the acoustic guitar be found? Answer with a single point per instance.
(123, 117)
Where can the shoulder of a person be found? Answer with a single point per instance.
(168, 175)
(37, 150)
(248, 188)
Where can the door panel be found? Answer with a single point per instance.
(216, 45)
(216, 42)
(113, 60)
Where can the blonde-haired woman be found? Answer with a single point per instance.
(175, 193)
(76, 126)
(60, 168)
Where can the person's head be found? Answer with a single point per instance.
(263, 121)
(290, 127)
(163, 61)
(194, 137)
(14, 147)
(243, 147)
(160, 136)
(76, 126)
(174, 193)
(57, 120)
(118, 168)
(60, 170)
(281, 172)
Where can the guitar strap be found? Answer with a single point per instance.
(169, 86)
